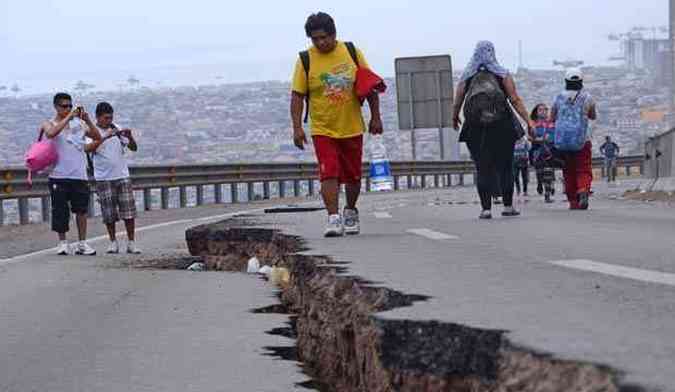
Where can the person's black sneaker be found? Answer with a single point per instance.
(510, 211)
(583, 200)
(540, 189)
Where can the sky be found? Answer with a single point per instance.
(48, 45)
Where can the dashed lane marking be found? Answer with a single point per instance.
(432, 235)
(620, 271)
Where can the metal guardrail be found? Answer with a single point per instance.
(14, 184)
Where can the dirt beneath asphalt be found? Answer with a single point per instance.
(345, 346)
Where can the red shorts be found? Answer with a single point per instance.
(339, 158)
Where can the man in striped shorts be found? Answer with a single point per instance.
(113, 182)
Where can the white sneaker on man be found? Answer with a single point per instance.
(132, 249)
(63, 249)
(83, 249)
(113, 248)
(352, 223)
(335, 227)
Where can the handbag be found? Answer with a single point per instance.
(40, 155)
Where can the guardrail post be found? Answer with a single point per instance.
(234, 193)
(461, 180)
(2, 213)
(147, 199)
(627, 171)
(642, 168)
(282, 189)
(397, 183)
(200, 195)
(424, 182)
(437, 181)
(182, 196)
(45, 207)
(409, 182)
(369, 185)
(266, 190)
(448, 180)
(296, 188)
(24, 218)
(218, 193)
(250, 191)
(603, 172)
(165, 198)
(310, 187)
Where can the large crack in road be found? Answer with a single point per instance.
(344, 344)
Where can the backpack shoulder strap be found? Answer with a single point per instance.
(352, 52)
(304, 58)
(42, 131)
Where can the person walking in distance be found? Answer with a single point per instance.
(113, 182)
(521, 165)
(490, 129)
(68, 180)
(572, 112)
(610, 151)
(324, 76)
(541, 153)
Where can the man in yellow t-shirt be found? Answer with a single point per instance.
(336, 121)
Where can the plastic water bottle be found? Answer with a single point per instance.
(380, 170)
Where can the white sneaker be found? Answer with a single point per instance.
(352, 223)
(114, 248)
(132, 249)
(63, 249)
(486, 214)
(83, 249)
(334, 227)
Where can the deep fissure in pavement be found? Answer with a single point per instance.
(345, 346)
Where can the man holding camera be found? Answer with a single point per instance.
(68, 181)
(113, 182)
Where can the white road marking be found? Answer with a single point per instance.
(642, 275)
(19, 258)
(432, 235)
(382, 215)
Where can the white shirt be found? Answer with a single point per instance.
(72, 160)
(109, 161)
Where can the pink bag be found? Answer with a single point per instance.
(40, 155)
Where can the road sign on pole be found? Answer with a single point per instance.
(424, 92)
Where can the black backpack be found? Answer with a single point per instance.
(304, 57)
(486, 101)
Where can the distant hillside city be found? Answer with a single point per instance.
(250, 122)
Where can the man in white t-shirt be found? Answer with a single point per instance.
(68, 181)
(113, 182)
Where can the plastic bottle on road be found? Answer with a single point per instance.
(381, 179)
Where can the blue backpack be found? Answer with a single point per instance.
(571, 126)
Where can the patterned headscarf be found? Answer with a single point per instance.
(484, 55)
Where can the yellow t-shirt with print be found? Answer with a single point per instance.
(334, 108)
